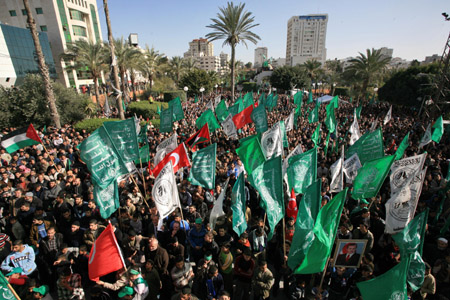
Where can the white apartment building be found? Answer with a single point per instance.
(200, 47)
(306, 36)
(260, 56)
(64, 21)
(208, 63)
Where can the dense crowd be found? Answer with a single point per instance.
(50, 220)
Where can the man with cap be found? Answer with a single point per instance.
(196, 239)
(244, 267)
(185, 294)
(126, 292)
(22, 256)
(203, 266)
(140, 286)
(42, 293)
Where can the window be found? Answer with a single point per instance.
(76, 15)
(43, 28)
(24, 12)
(39, 10)
(12, 13)
(79, 31)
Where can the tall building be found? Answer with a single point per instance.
(200, 47)
(64, 21)
(17, 55)
(306, 36)
(260, 53)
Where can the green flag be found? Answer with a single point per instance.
(302, 170)
(178, 113)
(409, 240)
(5, 288)
(325, 230)
(314, 115)
(298, 98)
(259, 117)
(236, 108)
(402, 147)
(124, 106)
(142, 137)
(196, 99)
(284, 134)
(101, 158)
(371, 176)
(166, 122)
(248, 99)
(238, 205)
(334, 102)
(438, 130)
(222, 111)
(123, 135)
(330, 120)
(262, 99)
(390, 285)
(251, 154)
(268, 101)
(207, 117)
(358, 111)
(303, 235)
(107, 199)
(310, 97)
(45, 129)
(203, 171)
(327, 142)
(268, 181)
(368, 147)
(144, 155)
(158, 110)
(316, 135)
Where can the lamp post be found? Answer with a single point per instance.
(186, 89)
(216, 87)
(202, 89)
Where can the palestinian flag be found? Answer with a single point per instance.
(201, 136)
(20, 138)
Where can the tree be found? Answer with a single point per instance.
(196, 79)
(176, 67)
(115, 72)
(333, 72)
(286, 78)
(312, 68)
(150, 64)
(189, 64)
(90, 56)
(248, 65)
(233, 25)
(367, 67)
(43, 68)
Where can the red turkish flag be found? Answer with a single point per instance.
(179, 158)
(105, 256)
(244, 117)
(291, 210)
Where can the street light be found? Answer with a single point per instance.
(186, 89)
(202, 89)
(216, 87)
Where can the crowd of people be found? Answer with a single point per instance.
(50, 220)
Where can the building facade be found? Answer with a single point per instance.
(306, 37)
(64, 21)
(200, 47)
(17, 55)
(260, 56)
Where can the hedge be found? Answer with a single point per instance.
(342, 91)
(250, 87)
(91, 124)
(148, 92)
(145, 108)
(174, 94)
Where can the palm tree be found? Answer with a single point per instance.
(177, 66)
(150, 64)
(333, 71)
(43, 68)
(189, 64)
(90, 56)
(368, 66)
(312, 68)
(126, 57)
(233, 25)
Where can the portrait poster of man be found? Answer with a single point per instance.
(349, 253)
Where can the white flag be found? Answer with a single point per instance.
(402, 170)
(374, 125)
(400, 209)
(217, 210)
(354, 130)
(426, 139)
(388, 116)
(165, 191)
(272, 141)
(217, 100)
(210, 105)
(165, 147)
(337, 174)
(229, 127)
(289, 122)
(351, 167)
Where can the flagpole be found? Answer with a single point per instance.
(143, 178)
(13, 291)
(284, 241)
(323, 275)
(135, 183)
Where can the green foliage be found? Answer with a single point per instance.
(342, 91)
(406, 86)
(250, 87)
(196, 79)
(155, 122)
(26, 104)
(91, 124)
(164, 84)
(174, 94)
(150, 92)
(145, 108)
(286, 77)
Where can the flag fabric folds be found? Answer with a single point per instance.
(370, 177)
(289, 122)
(426, 138)
(238, 205)
(337, 175)
(20, 138)
(177, 109)
(390, 285)
(291, 209)
(272, 141)
(438, 130)
(207, 117)
(298, 98)
(316, 135)
(6, 289)
(251, 154)
(302, 170)
(388, 116)
(123, 136)
(268, 181)
(144, 155)
(107, 199)
(222, 111)
(229, 128)
(203, 171)
(178, 157)
(354, 130)
(165, 147)
(314, 115)
(105, 256)
(217, 210)
(166, 120)
(165, 191)
(200, 137)
(259, 117)
(402, 147)
(368, 147)
(351, 167)
(243, 118)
